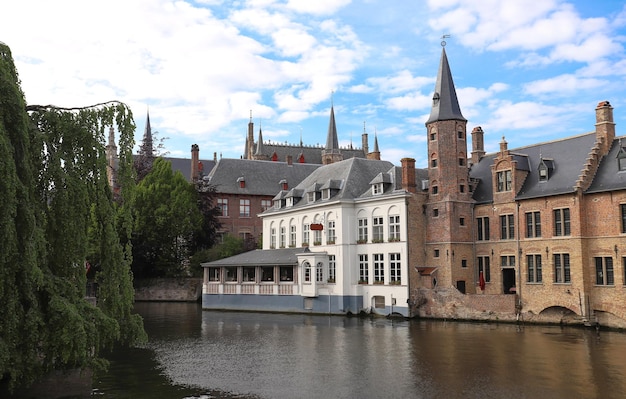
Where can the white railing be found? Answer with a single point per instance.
(250, 288)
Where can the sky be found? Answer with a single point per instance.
(526, 71)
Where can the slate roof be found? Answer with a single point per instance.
(261, 177)
(184, 165)
(608, 177)
(567, 157)
(445, 103)
(348, 180)
(261, 257)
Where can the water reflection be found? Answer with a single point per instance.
(288, 356)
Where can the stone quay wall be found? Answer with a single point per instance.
(168, 289)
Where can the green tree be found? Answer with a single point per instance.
(56, 212)
(167, 217)
(230, 246)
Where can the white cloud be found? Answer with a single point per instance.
(317, 7)
(402, 81)
(562, 85)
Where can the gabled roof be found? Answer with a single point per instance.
(608, 177)
(261, 257)
(350, 178)
(568, 159)
(445, 103)
(261, 177)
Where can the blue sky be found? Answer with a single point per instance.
(528, 71)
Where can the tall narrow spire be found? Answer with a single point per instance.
(332, 143)
(331, 153)
(445, 103)
(260, 149)
(260, 154)
(376, 141)
(147, 147)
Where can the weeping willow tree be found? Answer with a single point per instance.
(56, 213)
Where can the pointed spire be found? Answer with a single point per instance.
(260, 149)
(147, 147)
(445, 103)
(376, 141)
(332, 143)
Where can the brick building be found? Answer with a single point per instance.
(545, 223)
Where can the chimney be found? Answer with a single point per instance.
(215, 156)
(408, 175)
(605, 127)
(289, 159)
(478, 144)
(195, 155)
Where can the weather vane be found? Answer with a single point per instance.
(443, 40)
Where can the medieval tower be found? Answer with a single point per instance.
(449, 205)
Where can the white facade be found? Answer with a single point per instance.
(359, 256)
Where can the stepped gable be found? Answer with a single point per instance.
(567, 156)
(261, 177)
(608, 176)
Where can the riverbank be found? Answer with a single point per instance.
(168, 290)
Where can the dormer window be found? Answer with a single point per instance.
(283, 184)
(621, 158)
(504, 180)
(242, 182)
(545, 168)
(326, 193)
(543, 172)
(377, 188)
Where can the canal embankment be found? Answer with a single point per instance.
(168, 290)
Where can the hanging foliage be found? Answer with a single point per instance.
(57, 213)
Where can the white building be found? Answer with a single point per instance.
(336, 243)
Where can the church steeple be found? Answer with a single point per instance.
(445, 103)
(260, 148)
(147, 147)
(331, 152)
(332, 143)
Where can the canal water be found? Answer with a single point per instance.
(199, 354)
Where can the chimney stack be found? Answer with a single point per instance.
(478, 144)
(408, 175)
(605, 127)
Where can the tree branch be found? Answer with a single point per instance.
(49, 106)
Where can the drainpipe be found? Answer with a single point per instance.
(518, 283)
(408, 256)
